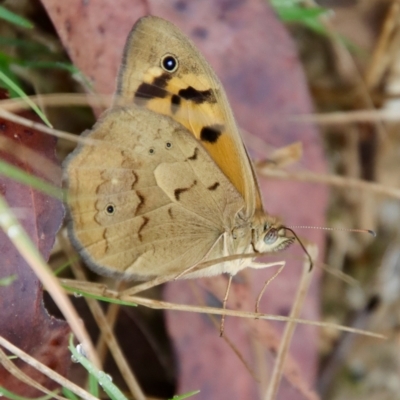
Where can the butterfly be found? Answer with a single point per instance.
(169, 183)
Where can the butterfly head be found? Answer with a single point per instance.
(270, 235)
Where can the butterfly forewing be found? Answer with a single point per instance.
(191, 94)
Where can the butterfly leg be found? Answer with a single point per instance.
(280, 264)
(221, 328)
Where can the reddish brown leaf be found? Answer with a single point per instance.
(23, 319)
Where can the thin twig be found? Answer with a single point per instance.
(333, 180)
(377, 66)
(46, 370)
(23, 377)
(21, 240)
(57, 100)
(342, 117)
(101, 290)
(109, 337)
(298, 302)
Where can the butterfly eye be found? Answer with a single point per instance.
(110, 209)
(271, 236)
(168, 145)
(169, 63)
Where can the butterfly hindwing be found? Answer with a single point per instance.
(134, 196)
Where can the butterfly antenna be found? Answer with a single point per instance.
(302, 246)
(370, 231)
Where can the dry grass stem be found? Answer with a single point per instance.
(101, 290)
(111, 317)
(57, 100)
(108, 335)
(28, 251)
(15, 371)
(45, 370)
(41, 164)
(379, 60)
(346, 117)
(283, 351)
(43, 128)
(333, 180)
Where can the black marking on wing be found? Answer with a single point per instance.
(104, 235)
(197, 96)
(211, 133)
(144, 223)
(175, 103)
(162, 80)
(136, 179)
(153, 90)
(194, 156)
(170, 212)
(254, 249)
(135, 176)
(141, 202)
(178, 192)
(214, 186)
(148, 91)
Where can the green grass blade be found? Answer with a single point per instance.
(5, 67)
(186, 395)
(8, 280)
(93, 386)
(12, 396)
(298, 14)
(51, 65)
(294, 11)
(102, 378)
(19, 175)
(15, 19)
(72, 69)
(22, 94)
(30, 45)
(315, 25)
(97, 297)
(68, 394)
(65, 265)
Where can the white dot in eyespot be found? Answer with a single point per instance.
(169, 63)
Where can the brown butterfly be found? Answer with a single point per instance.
(170, 183)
